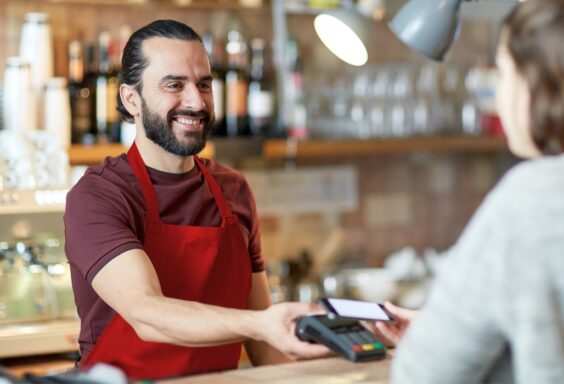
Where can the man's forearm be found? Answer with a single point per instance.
(186, 323)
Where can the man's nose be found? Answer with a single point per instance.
(192, 98)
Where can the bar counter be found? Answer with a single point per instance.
(332, 370)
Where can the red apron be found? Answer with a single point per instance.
(205, 264)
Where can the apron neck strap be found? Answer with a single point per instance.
(218, 196)
(142, 175)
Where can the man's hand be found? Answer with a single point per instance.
(391, 333)
(277, 327)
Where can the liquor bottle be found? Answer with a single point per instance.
(236, 82)
(296, 113)
(81, 96)
(107, 117)
(212, 45)
(90, 78)
(260, 102)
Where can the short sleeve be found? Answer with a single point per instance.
(255, 250)
(98, 224)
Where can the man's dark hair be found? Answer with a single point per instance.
(133, 62)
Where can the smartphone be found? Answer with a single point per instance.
(362, 310)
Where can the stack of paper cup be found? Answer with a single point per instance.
(57, 111)
(1, 107)
(19, 103)
(36, 46)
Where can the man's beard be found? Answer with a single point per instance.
(159, 131)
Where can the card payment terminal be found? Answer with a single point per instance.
(346, 337)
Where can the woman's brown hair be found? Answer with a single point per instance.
(534, 34)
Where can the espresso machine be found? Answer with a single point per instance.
(37, 310)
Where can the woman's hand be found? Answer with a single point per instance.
(391, 333)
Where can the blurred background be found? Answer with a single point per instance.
(364, 174)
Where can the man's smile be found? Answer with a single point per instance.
(188, 123)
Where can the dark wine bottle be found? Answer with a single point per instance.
(236, 82)
(82, 96)
(213, 47)
(107, 116)
(260, 102)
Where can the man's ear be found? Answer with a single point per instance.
(130, 99)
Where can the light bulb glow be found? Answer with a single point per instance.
(340, 39)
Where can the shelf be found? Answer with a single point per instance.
(192, 4)
(324, 148)
(301, 8)
(314, 149)
(36, 201)
(39, 338)
(94, 154)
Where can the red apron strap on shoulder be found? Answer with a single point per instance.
(140, 171)
(219, 199)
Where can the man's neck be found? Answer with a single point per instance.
(156, 157)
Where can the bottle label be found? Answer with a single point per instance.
(298, 123)
(82, 112)
(237, 98)
(101, 103)
(112, 114)
(219, 107)
(260, 104)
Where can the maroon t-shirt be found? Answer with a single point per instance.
(105, 213)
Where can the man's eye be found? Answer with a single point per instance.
(173, 86)
(205, 86)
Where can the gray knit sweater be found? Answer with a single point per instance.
(496, 312)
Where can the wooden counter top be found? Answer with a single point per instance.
(332, 370)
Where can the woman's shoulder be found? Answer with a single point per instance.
(536, 176)
(529, 193)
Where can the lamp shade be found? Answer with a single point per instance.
(342, 31)
(428, 26)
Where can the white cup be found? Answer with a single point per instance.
(36, 46)
(57, 111)
(1, 106)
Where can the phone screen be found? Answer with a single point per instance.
(357, 309)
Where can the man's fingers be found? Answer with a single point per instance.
(300, 309)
